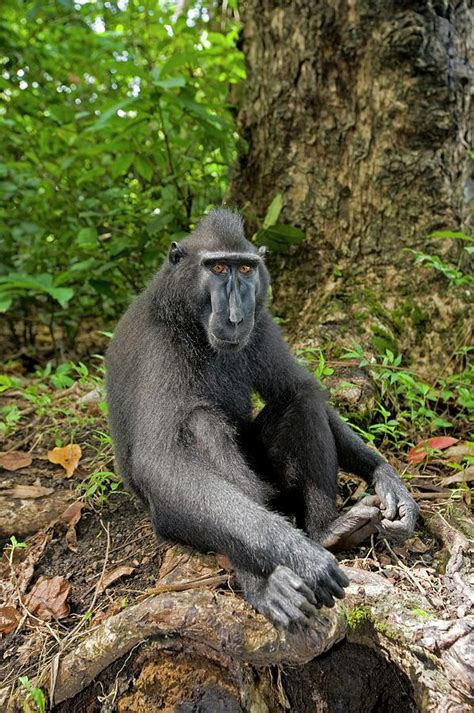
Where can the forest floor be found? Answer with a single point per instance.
(78, 549)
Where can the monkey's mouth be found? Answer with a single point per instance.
(225, 345)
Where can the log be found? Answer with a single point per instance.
(200, 645)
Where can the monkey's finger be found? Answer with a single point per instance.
(335, 590)
(278, 617)
(339, 576)
(326, 598)
(311, 610)
(360, 535)
(306, 591)
(292, 611)
(287, 576)
(294, 597)
(394, 529)
(371, 500)
(389, 506)
(409, 514)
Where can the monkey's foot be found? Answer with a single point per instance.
(354, 526)
(284, 598)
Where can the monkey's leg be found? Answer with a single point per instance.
(399, 509)
(203, 493)
(307, 461)
(351, 527)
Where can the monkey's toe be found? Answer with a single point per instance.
(288, 600)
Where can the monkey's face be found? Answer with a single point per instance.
(232, 282)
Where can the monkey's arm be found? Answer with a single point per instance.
(399, 508)
(192, 498)
(281, 378)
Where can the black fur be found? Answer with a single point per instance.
(186, 442)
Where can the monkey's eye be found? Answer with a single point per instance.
(245, 269)
(218, 268)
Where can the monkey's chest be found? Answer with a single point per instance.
(231, 393)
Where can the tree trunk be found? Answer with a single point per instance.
(357, 113)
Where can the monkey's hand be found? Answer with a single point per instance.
(399, 509)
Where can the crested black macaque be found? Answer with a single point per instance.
(182, 367)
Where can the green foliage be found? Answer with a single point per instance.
(14, 545)
(315, 360)
(116, 134)
(98, 487)
(408, 407)
(454, 274)
(33, 694)
(40, 389)
(277, 236)
(422, 613)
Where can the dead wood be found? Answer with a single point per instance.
(218, 625)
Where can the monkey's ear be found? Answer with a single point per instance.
(262, 251)
(176, 253)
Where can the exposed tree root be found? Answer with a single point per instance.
(217, 627)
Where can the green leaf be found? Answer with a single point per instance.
(278, 238)
(170, 83)
(111, 113)
(87, 237)
(5, 382)
(5, 302)
(273, 211)
(122, 164)
(177, 60)
(120, 246)
(61, 294)
(144, 167)
(458, 235)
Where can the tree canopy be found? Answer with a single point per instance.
(116, 134)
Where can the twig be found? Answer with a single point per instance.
(183, 586)
(104, 566)
(408, 573)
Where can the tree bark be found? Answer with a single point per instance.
(358, 114)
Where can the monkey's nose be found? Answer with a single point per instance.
(236, 319)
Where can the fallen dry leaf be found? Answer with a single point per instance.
(418, 453)
(48, 598)
(24, 562)
(9, 618)
(68, 456)
(463, 476)
(457, 453)
(111, 577)
(15, 460)
(31, 648)
(25, 492)
(29, 557)
(72, 513)
(69, 519)
(415, 544)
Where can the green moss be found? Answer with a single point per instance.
(422, 613)
(408, 311)
(360, 615)
(389, 631)
(357, 616)
(383, 340)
